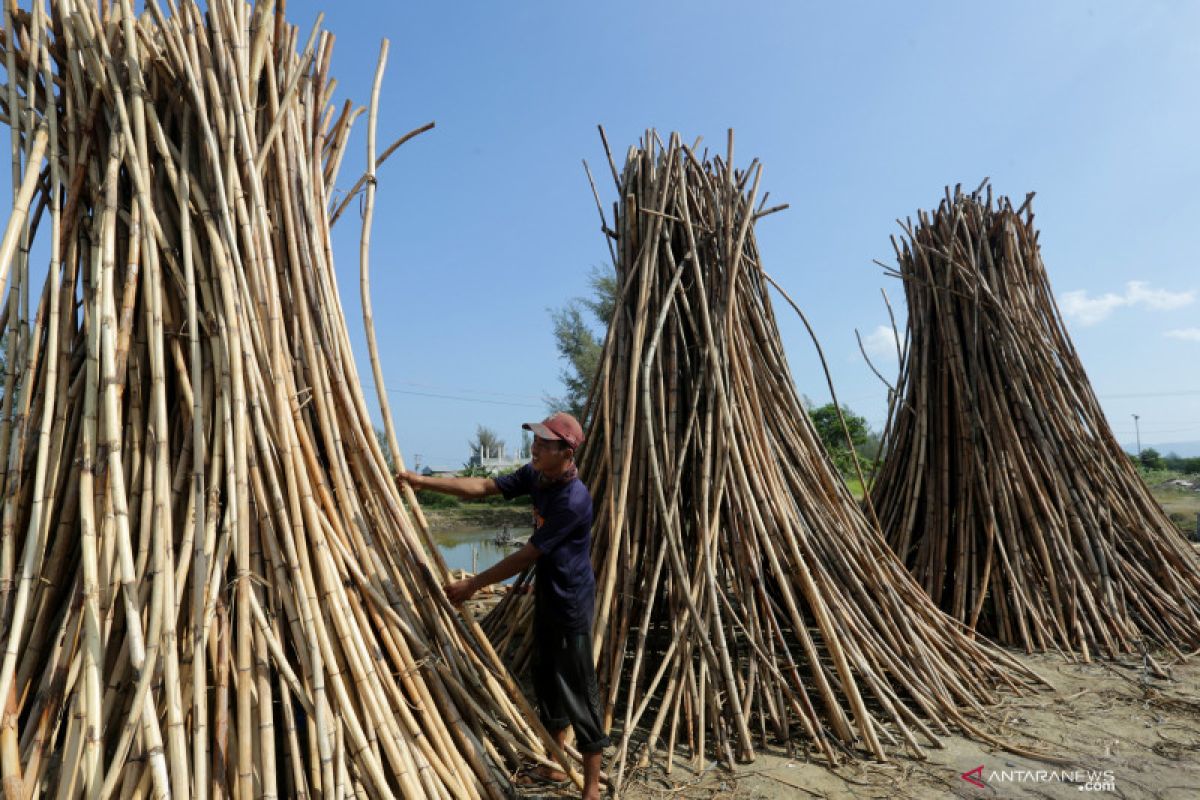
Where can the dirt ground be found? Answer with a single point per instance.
(1124, 734)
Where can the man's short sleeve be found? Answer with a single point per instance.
(561, 519)
(516, 483)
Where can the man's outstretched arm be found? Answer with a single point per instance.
(460, 591)
(466, 488)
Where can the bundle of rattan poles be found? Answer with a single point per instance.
(209, 583)
(1002, 487)
(743, 600)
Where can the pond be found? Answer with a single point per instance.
(476, 549)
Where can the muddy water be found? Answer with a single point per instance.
(475, 549)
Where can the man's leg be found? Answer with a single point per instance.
(580, 695)
(591, 775)
(549, 695)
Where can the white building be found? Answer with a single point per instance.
(496, 460)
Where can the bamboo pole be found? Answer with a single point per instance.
(1003, 488)
(742, 594)
(214, 557)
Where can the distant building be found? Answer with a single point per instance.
(496, 460)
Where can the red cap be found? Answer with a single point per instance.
(561, 426)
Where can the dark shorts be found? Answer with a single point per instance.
(565, 681)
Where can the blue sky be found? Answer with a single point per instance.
(861, 112)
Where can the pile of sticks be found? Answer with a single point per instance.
(209, 583)
(743, 600)
(1002, 486)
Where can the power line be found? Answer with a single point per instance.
(1131, 395)
(463, 399)
(470, 391)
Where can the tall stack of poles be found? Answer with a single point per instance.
(743, 598)
(209, 583)
(1002, 486)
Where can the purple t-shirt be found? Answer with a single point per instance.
(564, 584)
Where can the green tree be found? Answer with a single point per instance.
(829, 430)
(1178, 463)
(579, 343)
(1151, 459)
(869, 450)
(381, 437)
(486, 441)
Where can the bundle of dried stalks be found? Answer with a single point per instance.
(1002, 487)
(208, 581)
(742, 597)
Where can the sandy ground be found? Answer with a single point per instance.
(1137, 736)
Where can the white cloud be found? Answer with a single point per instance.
(1187, 334)
(1090, 310)
(881, 344)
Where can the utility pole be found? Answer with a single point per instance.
(1137, 429)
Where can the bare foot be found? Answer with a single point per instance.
(541, 774)
(551, 774)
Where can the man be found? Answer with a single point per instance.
(564, 584)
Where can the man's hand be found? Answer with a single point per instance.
(459, 592)
(410, 478)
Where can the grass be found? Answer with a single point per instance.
(1153, 477)
(1182, 505)
(855, 486)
